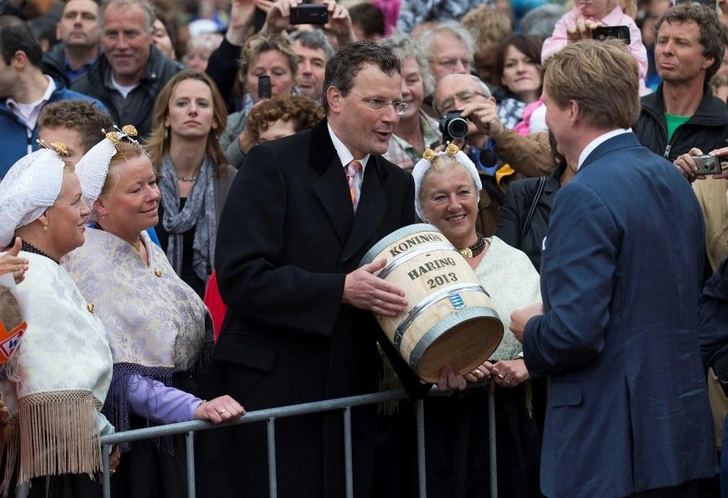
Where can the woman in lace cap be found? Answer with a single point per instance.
(62, 373)
(157, 326)
(446, 195)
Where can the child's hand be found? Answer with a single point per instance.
(582, 30)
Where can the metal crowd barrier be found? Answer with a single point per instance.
(271, 415)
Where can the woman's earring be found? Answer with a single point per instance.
(45, 228)
(166, 132)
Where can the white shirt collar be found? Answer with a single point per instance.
(46, 95)
(344, 155)
(599, 141)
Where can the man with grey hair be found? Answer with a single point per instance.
(131, 72)
(499, 154)
(541, 20)
(448, 46)
(313, 50)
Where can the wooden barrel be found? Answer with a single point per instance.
(450, 319)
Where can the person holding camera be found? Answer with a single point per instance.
(470, 120)
(267, 69)
(711, 189)
(683, 112)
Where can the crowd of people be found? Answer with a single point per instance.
(187, 193)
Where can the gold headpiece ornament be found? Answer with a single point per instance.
(452, 149)
(429, 154)
(57, 147)
(127, 132)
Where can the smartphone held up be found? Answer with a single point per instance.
(309, 13)
(264, 87)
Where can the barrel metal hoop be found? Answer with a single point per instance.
(394, 237)
(430, 300)
(455, 318)
(397, 261)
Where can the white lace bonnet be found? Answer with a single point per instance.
(30, 187)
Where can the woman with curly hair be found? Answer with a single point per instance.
(279, 117)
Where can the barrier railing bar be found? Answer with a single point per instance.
(272, 471)
(22, 491)
(421, 464)
(348, 469)
(269, 415)
(492, 445)
(256, 416)
(190, 442)
(106, 478)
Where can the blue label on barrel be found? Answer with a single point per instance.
(456, 301)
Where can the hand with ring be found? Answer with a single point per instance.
(481, 372)
(509, 373)
(222, 409)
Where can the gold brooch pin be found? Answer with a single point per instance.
(129, 130)
(452, 149)
(158, 273)
(90, 307)
(429, 154)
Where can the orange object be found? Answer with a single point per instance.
(10, 341)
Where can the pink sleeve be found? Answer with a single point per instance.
(161, 404)
(557, 40)
(636, 47)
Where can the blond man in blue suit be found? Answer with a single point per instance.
(621, 276)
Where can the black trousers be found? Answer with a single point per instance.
(685, 490)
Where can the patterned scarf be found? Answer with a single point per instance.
(198, 213)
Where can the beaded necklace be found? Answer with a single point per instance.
(27, 247)
(475, 249)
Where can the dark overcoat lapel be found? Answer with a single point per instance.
(330, 189)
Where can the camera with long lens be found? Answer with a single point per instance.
(453, 126)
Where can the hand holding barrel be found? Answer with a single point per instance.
(364, 290)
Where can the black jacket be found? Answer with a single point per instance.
(53, 64)
(713, 318)
(286, 240)
(519, 198)
(707, 129)
(137, 108)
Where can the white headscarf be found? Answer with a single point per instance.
(418, 172)
(30, 187)
(93, 168)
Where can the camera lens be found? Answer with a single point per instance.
(457, 128)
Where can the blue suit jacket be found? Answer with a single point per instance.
(15, 138)
(621, 279)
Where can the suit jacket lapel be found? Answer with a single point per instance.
(331, 188)
(371, 208)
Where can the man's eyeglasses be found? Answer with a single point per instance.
(379, 104)
(452, 63)
(465, 96)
